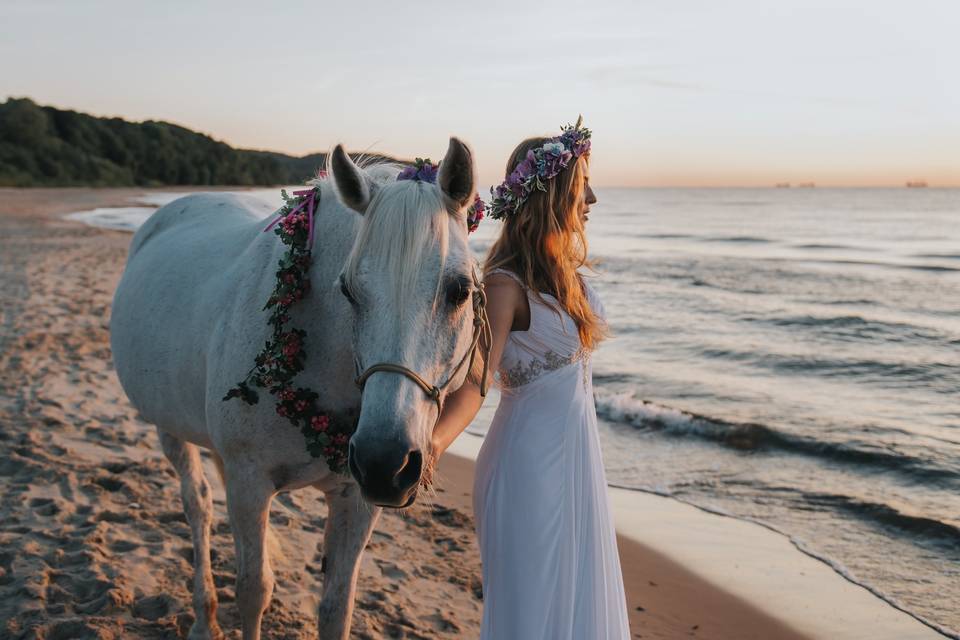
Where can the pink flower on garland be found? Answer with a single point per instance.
(320, 422)
(475, 214)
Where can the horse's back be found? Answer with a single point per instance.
(171, 299)
(199, 212)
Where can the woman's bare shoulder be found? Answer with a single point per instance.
(503, 286)
(507, 299)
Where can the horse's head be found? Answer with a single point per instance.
(409, 280)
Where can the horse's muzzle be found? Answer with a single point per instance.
(388, 475)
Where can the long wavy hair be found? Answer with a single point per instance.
(544, 244)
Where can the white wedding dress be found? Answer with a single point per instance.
(550, 565)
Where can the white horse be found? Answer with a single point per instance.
(389, 285)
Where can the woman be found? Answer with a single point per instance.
(548, 546)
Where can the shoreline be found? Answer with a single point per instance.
(693, 573)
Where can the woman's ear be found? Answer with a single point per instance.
(354, 188)
(456, 175)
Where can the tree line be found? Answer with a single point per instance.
(45, 146)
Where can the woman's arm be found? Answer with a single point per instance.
(504, 297)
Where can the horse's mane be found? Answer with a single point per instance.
(400, 225)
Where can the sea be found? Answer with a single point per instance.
(789, 357)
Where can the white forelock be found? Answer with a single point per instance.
(404, 222)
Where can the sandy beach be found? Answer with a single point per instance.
(93, 542)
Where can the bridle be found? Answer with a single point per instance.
(481, 331)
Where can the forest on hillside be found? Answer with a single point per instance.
(46, 146)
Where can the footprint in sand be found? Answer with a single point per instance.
(447, 545)
(451, 517)
(123, 546)
(113, 485)
(73, 630)
(44, 506)
(113, 516)
(154, 607)
(391, 570)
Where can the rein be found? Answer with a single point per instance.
(481, 331)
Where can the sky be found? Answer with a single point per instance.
(677, 92)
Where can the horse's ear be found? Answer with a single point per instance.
(353, 186)
(456, 174)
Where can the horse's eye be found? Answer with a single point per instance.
(458, 292)
(346, 292)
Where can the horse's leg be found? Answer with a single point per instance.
(248, 502)
(198, 507)
(350, 521)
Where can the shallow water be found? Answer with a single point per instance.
(788, 356)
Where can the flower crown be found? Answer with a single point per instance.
(422, 170)
(540, 164)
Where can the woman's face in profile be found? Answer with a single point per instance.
(588, 196)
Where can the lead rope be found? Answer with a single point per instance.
(481, 321)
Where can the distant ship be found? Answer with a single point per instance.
(783, 185)
(916, 184)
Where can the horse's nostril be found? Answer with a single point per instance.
(352, 463)
(409, 475)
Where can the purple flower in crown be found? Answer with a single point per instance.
(516, 183)
(575, 139)
(554, 163)
(428, 173)
(553, 149)
(422, 170)
(527, 165)
(408, 173)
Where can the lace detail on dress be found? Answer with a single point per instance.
(522, 373)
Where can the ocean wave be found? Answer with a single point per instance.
(883, 514)
(856, 327)
(945, 256)
(624, 408)
(850, 301)
(941, 377)
(867, 263)
(747, 239)
(824, 245)
(662, 236)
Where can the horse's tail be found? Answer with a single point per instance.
(274, 549)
